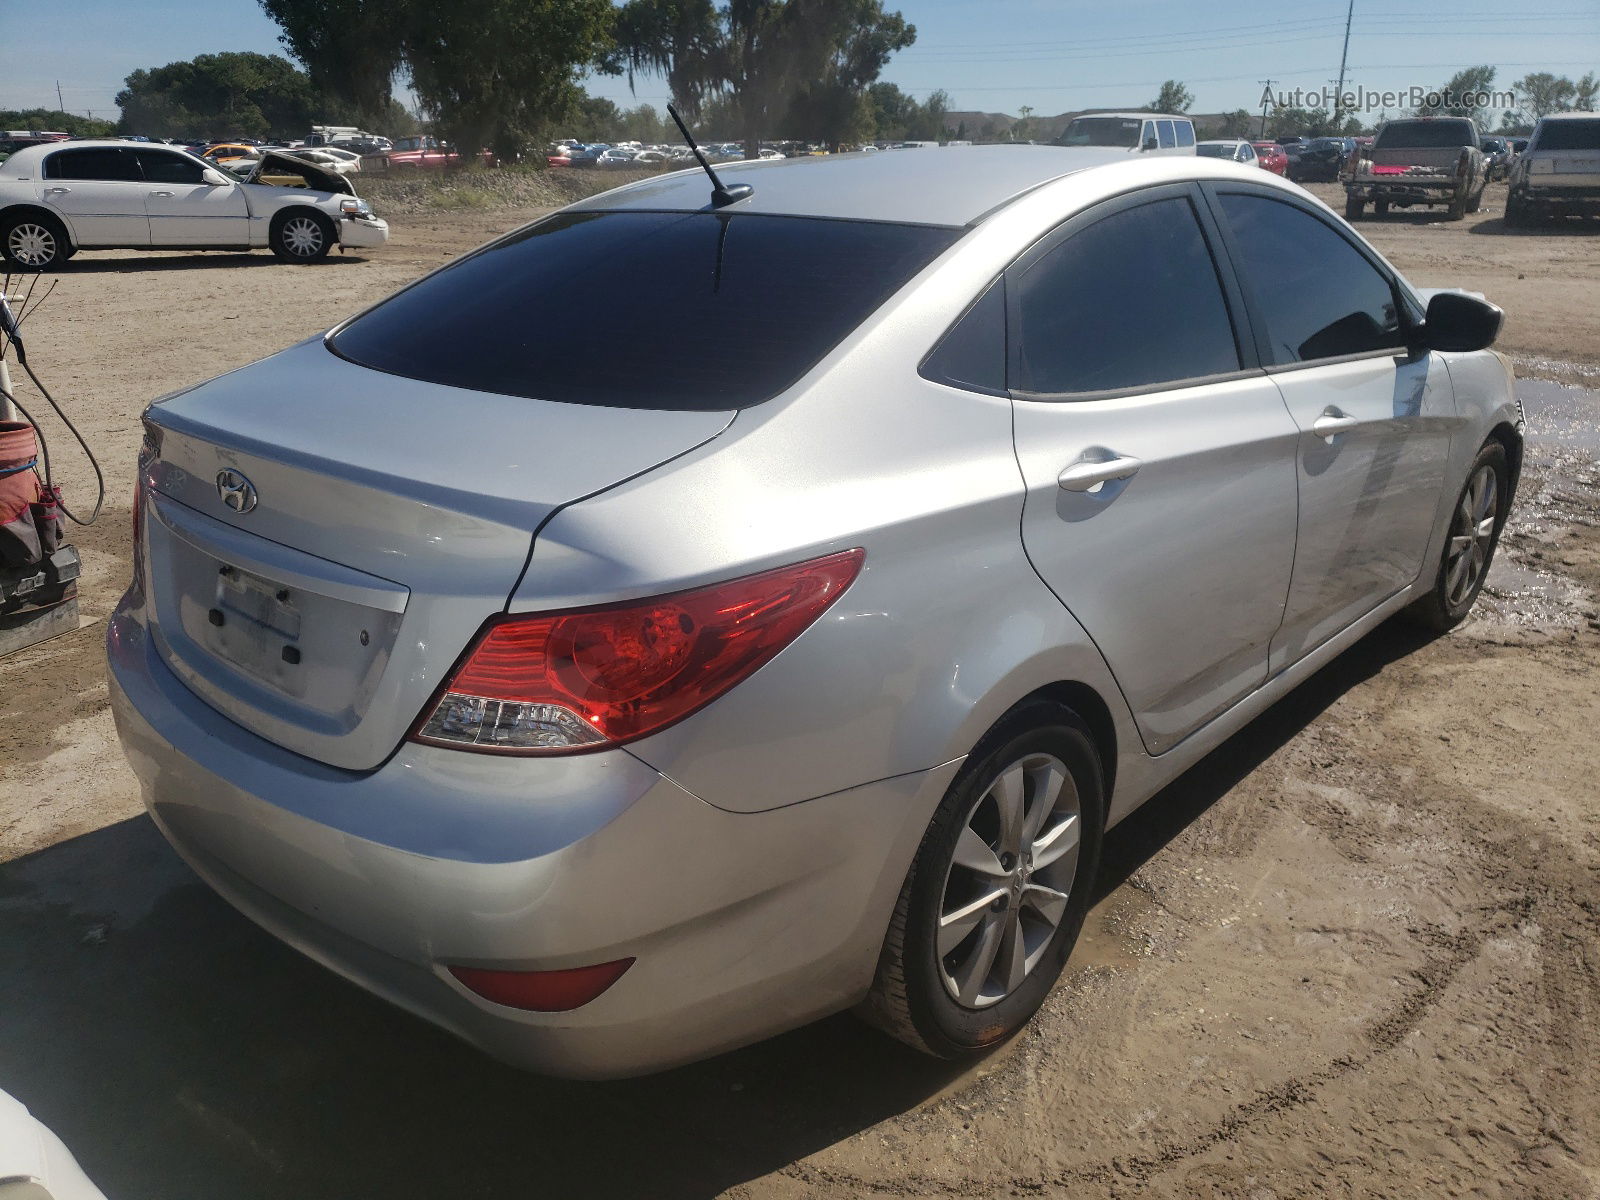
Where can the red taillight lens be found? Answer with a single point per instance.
(543, 991)
(559, 682)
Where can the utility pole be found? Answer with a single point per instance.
(61, 104)
(1344, 57)
(1266, 99)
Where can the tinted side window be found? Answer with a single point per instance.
(117, 165)
(1319, 296)
(169, 168)
(1185, 133)
(1147, 134)
(1169, 137)
(1129, 301)
(972, 354)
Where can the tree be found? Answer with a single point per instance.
(497, 72)
(1450, 100)
(1173, 98)
(1235, 124)
(1543, 93)
(56, 121)
(1022, 131)
(486, 72)
(351, 49)
(774, 60)
(231, 94)
(1584, 93)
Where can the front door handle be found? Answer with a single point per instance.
(1332, 423)
(1086, 474)
(168, 194)
(56, 191)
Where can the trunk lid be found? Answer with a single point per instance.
(321, 540)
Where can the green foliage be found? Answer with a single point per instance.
(495, 73)
(1473, 79)
(897, 116)
(231, 94)
(1235, 124)
(56, 121)
(1172, 98)
(351, 49)
(1542, 93)
(778, 63)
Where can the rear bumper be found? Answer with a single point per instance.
(1425, 190)
(1578, 196)
(743, 925)
(366, 232)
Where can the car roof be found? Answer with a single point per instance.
(1571, 116)
(1141, 116)
(947, 185)
(24, 162)
(1224, 142)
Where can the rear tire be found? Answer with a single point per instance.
(1380, 208)
(999, 888)
(302, 235)
(1458, 207)
(34, 241)
(1352, 208)
(1475, 523)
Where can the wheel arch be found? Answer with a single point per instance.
(1088, 704)
(1506, 434)
(25, 208)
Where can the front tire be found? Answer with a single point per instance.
(1475, 524)
(998, 891)
(1352, 208)
(302, 235)
(35, 242)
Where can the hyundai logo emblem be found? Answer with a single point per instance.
(237, 492)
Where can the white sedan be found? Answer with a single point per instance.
(34, 1163)
(62, 197)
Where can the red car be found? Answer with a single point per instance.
(412, 153)
(1270, 157)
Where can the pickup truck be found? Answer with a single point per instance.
(1421, 160)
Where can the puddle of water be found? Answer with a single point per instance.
(1559, 415)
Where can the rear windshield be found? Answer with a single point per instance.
(687, 311)
(1569, 135)
(1102, 131)
(1419, 135)
(1206, 150)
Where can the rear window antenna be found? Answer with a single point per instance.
(721, 194)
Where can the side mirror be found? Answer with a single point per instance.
(1150, 143)
(215, 177)
(1460, 323)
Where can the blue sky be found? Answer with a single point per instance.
(991, 55)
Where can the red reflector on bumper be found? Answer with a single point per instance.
(543, 991)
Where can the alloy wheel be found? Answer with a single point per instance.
(31, 244)
(1471, 535)
(302, 236)
(1006, 891)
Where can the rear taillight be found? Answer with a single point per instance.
(555, 683)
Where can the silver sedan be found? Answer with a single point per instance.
(681, 620)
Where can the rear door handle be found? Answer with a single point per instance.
(1088, 473)
(1332, 423)
(56, 191)
(161, 194)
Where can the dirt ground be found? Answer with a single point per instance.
(1354, 953)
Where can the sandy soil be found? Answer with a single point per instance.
(1356, 952)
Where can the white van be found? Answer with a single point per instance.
(1135, 132)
